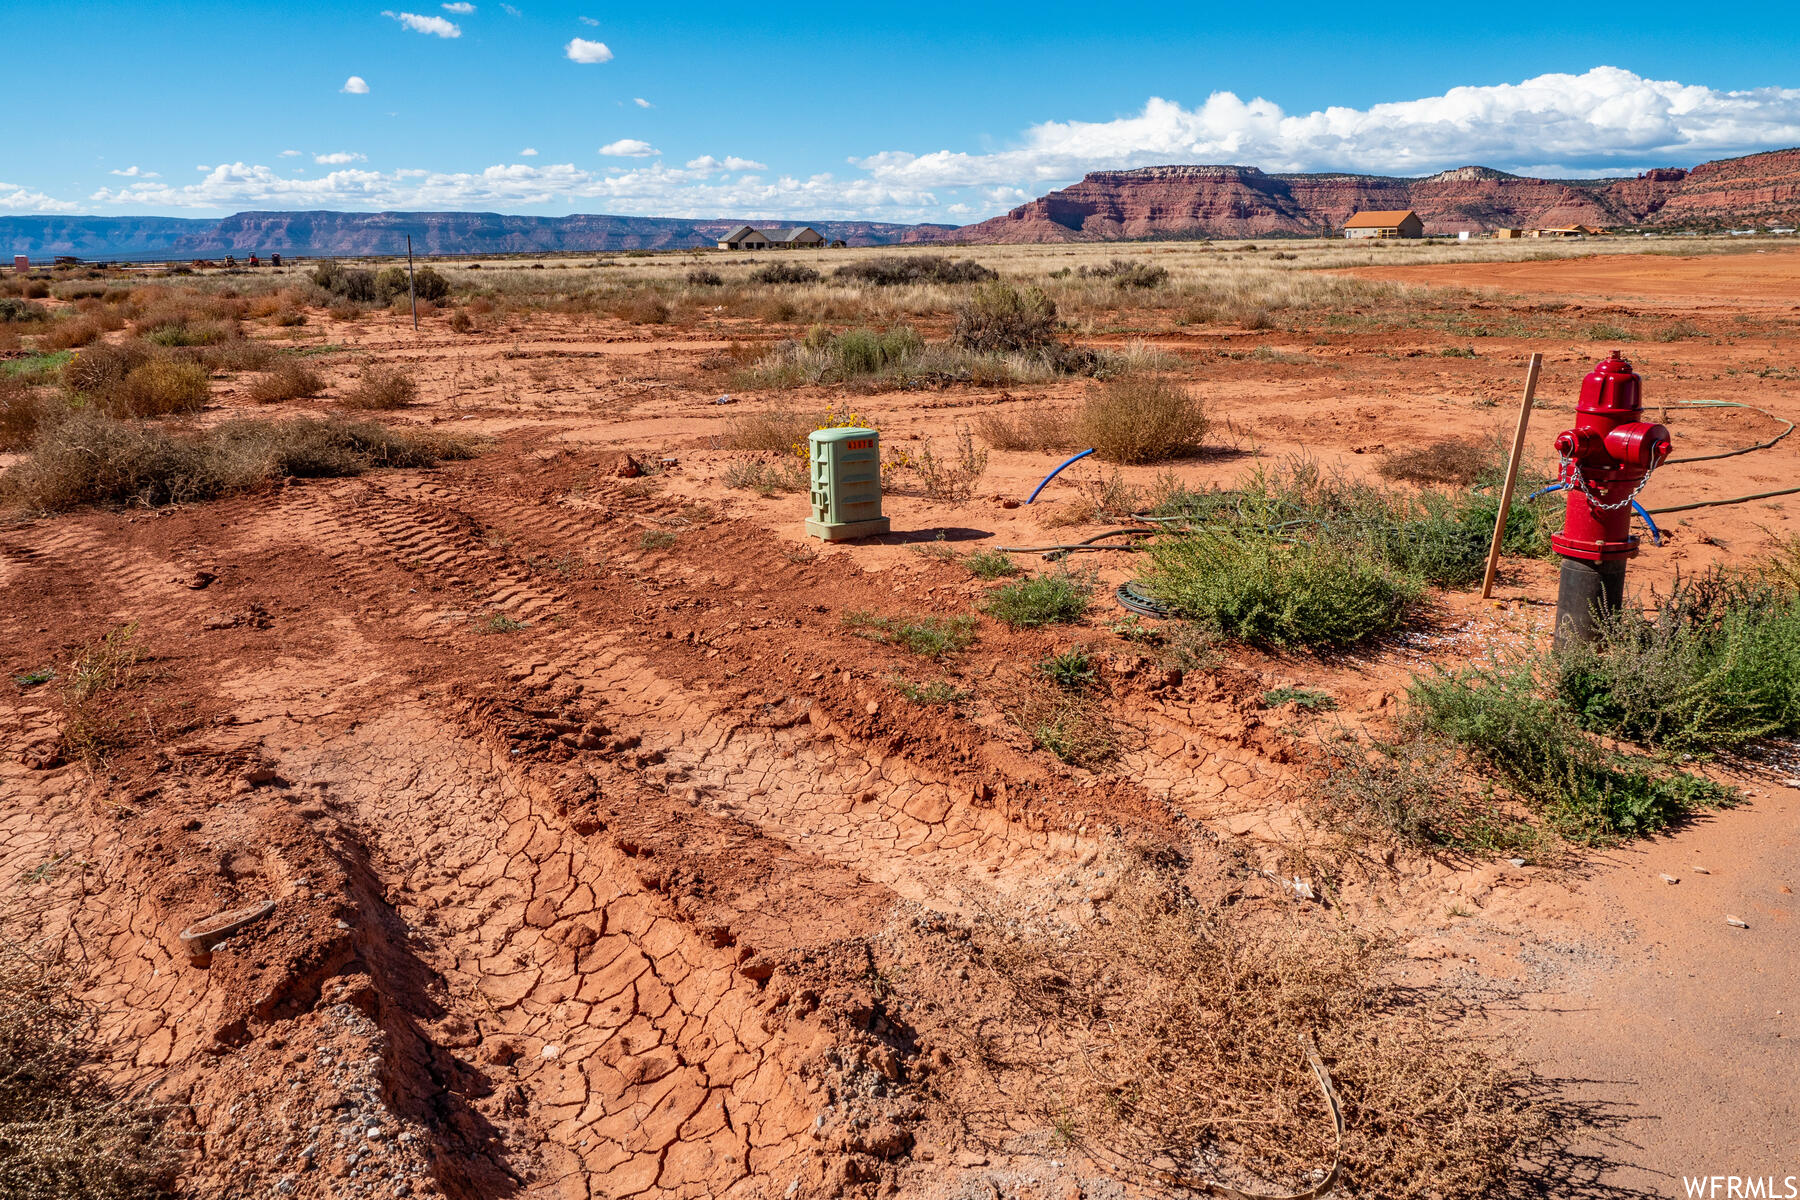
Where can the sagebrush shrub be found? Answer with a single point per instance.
(291, 379)
(383, 388)
(82, 456)
(1142, 420)
(893, 270)
(784, 273)
(1001, 318)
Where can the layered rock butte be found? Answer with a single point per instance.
(1235, 202)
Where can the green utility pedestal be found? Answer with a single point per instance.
(846, 484)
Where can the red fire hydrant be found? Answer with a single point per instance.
(1606, 461)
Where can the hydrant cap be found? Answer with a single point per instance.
(1611, 387)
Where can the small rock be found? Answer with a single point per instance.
(1701, 871)
(375, 1134)
(1736, 922)
(1517, 862)
(551, 1052)
(1670, 879)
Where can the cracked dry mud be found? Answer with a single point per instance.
(658, 888)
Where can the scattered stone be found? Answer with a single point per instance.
(1701, 871)
(1670, 879)
(202, 936)
(1736, 922)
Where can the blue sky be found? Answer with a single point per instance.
(924, 111)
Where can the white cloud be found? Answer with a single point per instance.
(290, 154)
(136, 172)
(461, 8)
(356, 85)
(731, 162)
(14, 198)
(528, 152)
(629, 148)
(583, 51)
(666, 191)
(641, 102)
(510, 11)
(436, 26)
(342, 156)
(588, 21)
(1584, 123)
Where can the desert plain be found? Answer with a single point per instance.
(625, 841)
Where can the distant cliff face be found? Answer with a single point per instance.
(321, 234)
(1235, 202)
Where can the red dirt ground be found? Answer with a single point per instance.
(608, 897)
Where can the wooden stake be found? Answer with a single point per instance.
(411, 292)
(1512, 475)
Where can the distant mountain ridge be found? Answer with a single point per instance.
(325, 233)
(1240, 201)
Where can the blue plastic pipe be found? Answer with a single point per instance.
(1055, 473)
(1655, 533)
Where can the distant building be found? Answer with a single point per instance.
(1509, 233)
(1387, 223)
(1562, 231)
(21, 264)
(746, 238)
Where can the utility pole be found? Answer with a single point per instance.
(412, 293)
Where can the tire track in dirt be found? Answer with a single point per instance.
(642, 1045)
(812, 782)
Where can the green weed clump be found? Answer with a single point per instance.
(1716, 668)
(1587, 793)
(991, 564)
(1059, 599)
(1258, 586)
(930, 637)
(1073, 670)
(1297, 556)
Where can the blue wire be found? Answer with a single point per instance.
(1055, 473)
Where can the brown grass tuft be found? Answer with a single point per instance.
(1037, 427)
(291, 379)
(22, 409)
(67, 1135)
(776, 430)
(383, 388)
(1141, 420)
(86, 457)
(1454, 462)
(1177, 1034)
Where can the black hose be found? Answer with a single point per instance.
(1130, 597)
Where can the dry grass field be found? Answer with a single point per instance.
(624, 841)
